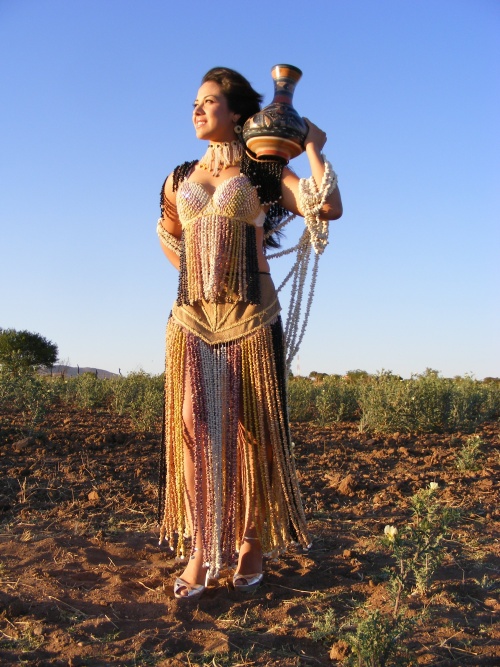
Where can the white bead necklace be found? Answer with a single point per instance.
(221, 155)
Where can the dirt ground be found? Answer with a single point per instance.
(84, 582)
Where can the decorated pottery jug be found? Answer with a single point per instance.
(277, 131)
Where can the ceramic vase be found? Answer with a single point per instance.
(277, 131)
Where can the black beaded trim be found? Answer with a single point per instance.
(162, 465)
(181, 172)
(278, 339)
(274, 217)
(162, 198)
(182, 287)
(252, 266)
(265, 176)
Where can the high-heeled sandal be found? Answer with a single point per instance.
(247, 582)
(251, 581)
(193, 590)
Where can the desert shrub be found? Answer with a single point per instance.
(425, 403)
(336, 400)
(369, 637)
(472, 403)
(469, 457)
(382, 400)
(428, 401)
(378, 640)
(125, 391)
(492, 401)
(27, 393)
(87, 391)
(7, 387)
(418, 547)
(141, 396)
(357, 375)
(59, 387)
(302, 393)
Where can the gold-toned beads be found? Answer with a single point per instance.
(238, 418)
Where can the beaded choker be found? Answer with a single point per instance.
(221, 155)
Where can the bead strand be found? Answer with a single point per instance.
(168, 239)
(312, 200)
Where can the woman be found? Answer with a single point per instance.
(227, 475)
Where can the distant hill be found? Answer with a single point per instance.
(72, 371)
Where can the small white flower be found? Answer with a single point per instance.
(391, 532)
(433, 486)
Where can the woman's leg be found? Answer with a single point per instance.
(250, 554)
(194, 573)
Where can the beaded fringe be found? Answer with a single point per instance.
(244, 466)
(218, 257)
(265, 176)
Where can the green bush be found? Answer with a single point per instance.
(7, 388)
(425, 403)
(382, 400)
(141, 396)
(378, 640)
(125, 391)
(26, 393)
(469, 457)
(383, 403)
(472, 403)
(418, 547)
(88, 391)
(302, 393)
(336, 400)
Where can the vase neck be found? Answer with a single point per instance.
(283, 90)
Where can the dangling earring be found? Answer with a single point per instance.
(237, 129)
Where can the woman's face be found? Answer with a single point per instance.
(212, 118)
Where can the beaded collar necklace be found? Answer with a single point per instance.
(219, 156)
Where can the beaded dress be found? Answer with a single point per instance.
(225, 335)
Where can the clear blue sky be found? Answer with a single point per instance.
(96, 110)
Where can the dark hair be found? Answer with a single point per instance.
(241, 97)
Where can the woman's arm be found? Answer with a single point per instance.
(332, 208)
(170, 221)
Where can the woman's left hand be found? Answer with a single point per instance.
(313, 145)
(315, 136)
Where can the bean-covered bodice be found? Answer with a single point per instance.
(234, 198)
(218, 259)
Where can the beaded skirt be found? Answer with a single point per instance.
(233, 354)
